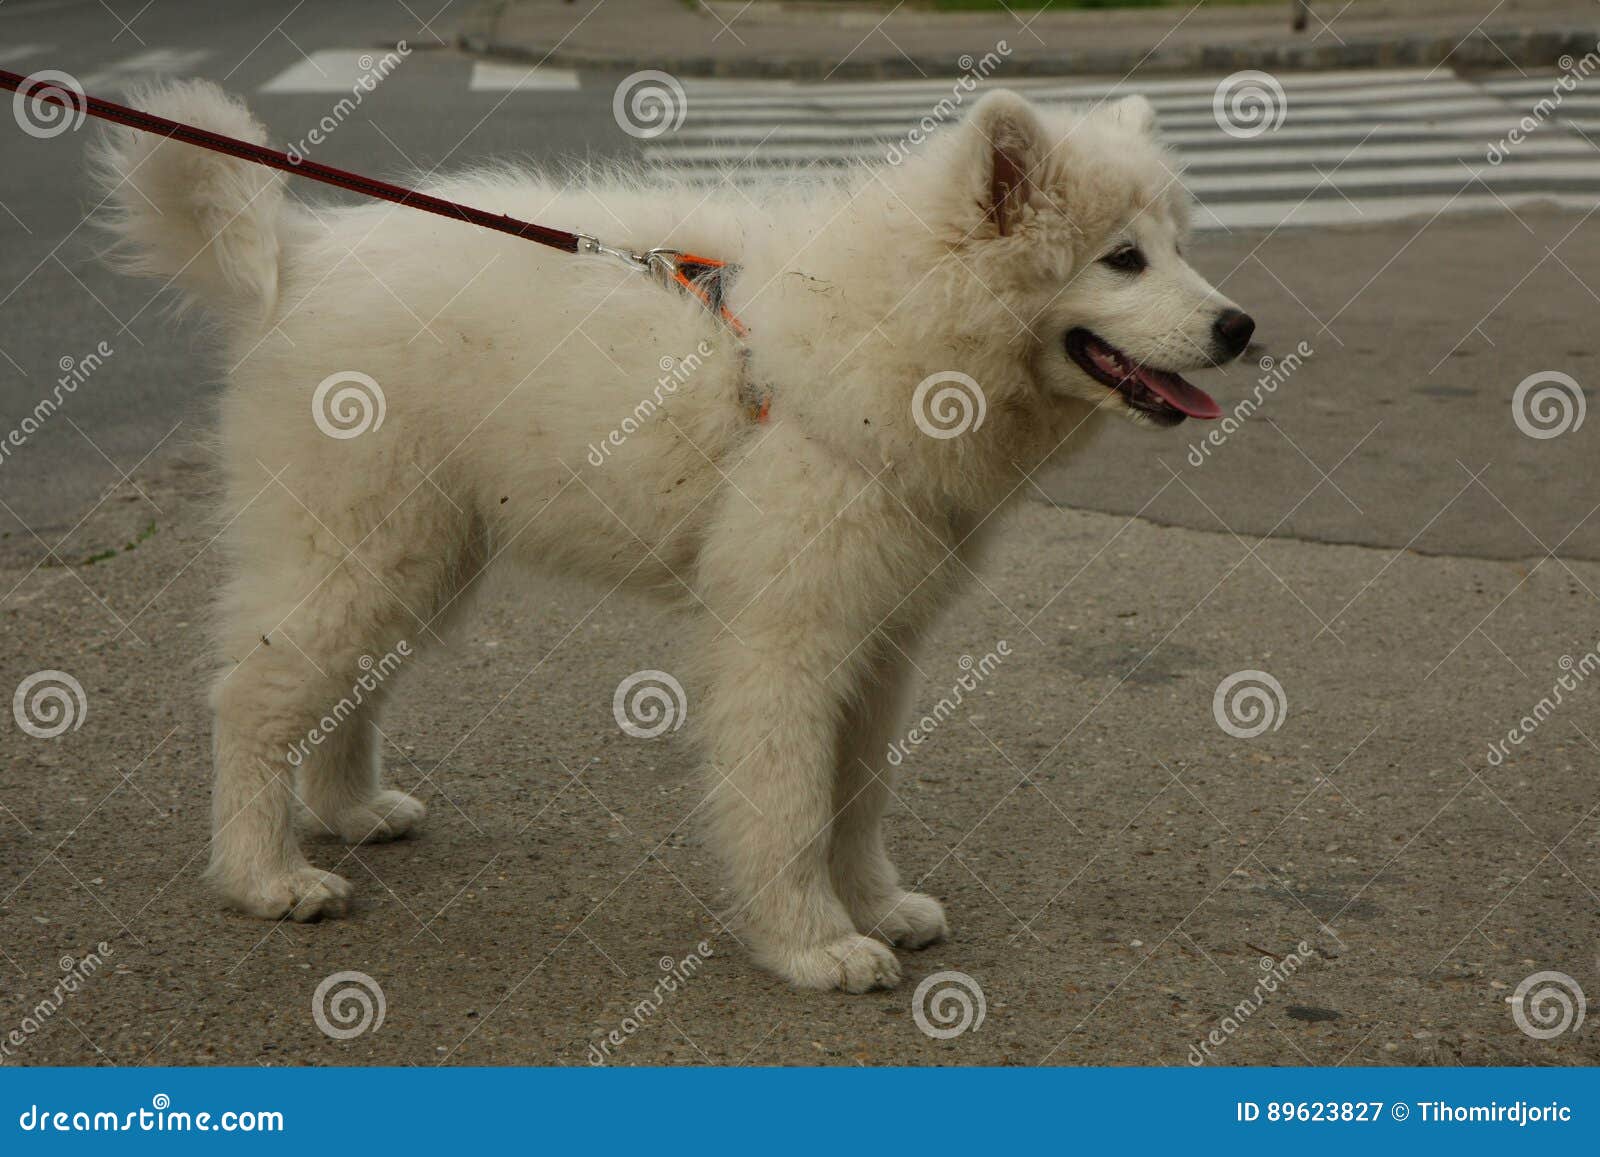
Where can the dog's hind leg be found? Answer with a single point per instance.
(863, 875)
(307, 629)
(342, 785)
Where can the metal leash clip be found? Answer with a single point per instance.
(703, 278)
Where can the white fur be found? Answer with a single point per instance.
(811, 551)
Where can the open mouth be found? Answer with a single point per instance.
(1165, 397)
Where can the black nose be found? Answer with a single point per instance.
(1231, 332)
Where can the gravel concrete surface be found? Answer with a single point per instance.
(1120, 871)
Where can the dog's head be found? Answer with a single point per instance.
(1076, 223)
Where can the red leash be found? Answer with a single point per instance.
(700, 276)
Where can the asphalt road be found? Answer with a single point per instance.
(1120, 868)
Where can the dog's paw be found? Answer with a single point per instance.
(388, 815)
(302, 894)
(853, 963)
(910, 919)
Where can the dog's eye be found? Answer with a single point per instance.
(1128, 259)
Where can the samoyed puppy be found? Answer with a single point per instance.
(411, 401)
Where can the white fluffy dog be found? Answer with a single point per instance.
(525, 416)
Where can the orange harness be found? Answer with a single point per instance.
(705, 279)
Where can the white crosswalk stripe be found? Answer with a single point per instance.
(490, 76)
(330, 70)
(123, 74)
(1352, 146)
(12, 53)
(338, 69)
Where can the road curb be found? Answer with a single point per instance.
(1532, 48)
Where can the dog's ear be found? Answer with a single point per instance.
(1012, 142)
(1136, 113)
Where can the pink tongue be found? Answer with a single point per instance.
(1179, 394)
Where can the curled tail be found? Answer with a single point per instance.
(207, 222)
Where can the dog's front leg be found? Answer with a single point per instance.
(773, 716)
(862, 872)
